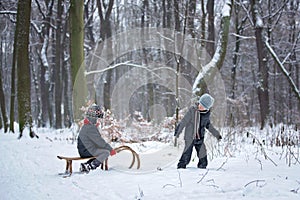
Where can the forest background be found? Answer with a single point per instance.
(45, 43)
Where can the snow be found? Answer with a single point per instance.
(226, 9)
(29, 170)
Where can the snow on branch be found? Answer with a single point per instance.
(127, 63)
(210, 69)
(8, 12)
(283, 70)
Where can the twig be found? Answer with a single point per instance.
(168, 185)
(297, 160)
(222, 165)
(255, 181)
(259, 163)
(203, 177)
(49, 139)
(262, 149)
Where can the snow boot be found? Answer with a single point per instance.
(95, 163)
(202, 163)
(85, 167)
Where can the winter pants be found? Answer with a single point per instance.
(100, 154)
(187, 153)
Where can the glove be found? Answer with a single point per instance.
(219, 138)
(113, 152)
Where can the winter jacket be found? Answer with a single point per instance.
(188, 122)
(89, 140)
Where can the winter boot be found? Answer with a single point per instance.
(85, 167)
(202, 163)
(181, 165)
(95, 163)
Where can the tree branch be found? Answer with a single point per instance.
(283, 70)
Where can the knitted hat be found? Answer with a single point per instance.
(206, 101)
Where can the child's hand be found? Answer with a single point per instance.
(113, 152)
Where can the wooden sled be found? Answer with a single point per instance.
(104, 166)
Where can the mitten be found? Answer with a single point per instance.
(113, 152)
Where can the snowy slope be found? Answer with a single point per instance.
(29, 170)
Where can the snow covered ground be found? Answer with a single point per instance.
(29, 170)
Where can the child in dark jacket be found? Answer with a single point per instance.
(90, 143)
(195, 121)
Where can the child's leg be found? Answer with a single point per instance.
(202, 155)
(186, 155)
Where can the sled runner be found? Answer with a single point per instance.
(104, 166)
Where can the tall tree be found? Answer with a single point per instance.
(262, 85)
(77, 53)
(2, 100)
(23, 66)
(105, 11)
(45, 71)
(57, 68)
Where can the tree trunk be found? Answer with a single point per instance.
(23, 66)
(106, 32)
(210, 45)
(57, 68)
(2, 100)
(191, 17)
(45, 79)
(262, 88)
(77, 55)
(176, 15)
(210, 69)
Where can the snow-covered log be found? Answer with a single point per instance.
(210, 69)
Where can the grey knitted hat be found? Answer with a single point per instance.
(206, 101)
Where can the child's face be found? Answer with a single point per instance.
(201, 108)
